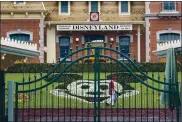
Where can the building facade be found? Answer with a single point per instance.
(68, 21)
(163, 24)
(24, 21)
(135, 27)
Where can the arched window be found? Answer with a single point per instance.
(124, 44)
(165, 37)
(21, 37)
(64, 44)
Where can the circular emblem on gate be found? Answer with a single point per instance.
(94, 16)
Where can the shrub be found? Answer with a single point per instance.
(87, 67)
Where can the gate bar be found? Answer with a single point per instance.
(10, 100)
(2, 95)
(181, 101)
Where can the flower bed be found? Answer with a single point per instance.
(84, 90)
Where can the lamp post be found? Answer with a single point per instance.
(77, 40)
(111, 42)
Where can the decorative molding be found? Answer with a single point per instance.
(170, 44)
(18, 44)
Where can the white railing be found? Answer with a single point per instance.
(166, 45)
(18, 44)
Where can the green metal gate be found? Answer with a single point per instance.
(78, 90)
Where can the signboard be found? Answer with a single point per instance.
(94, 16)
(107, 27)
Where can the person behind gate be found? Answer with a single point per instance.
(111, 100)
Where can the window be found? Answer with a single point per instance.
(21, 37)
(19, 2)
(124, 8)
(169, 6)
(64, 8)
(165, 37)
(94, 6)
(64, 44)
(124, 44)
(94, 38)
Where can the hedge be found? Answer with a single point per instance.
(64, 80)
(78, 67)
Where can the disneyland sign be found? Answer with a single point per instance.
(107, 27)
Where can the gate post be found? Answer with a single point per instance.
(10, 100)
(181, 102)
(2, 96)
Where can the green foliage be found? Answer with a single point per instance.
(126, 77)
(64, 80)
(79, 67)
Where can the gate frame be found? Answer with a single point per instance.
(2, 97)
(97, 56)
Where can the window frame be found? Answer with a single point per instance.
(59, 9)
(130, 38)
(61, 58)
(20, 32)
(98, 7)
(20, 4)
(167, 40)
(167, 31)
(125, 13)
(169, 10)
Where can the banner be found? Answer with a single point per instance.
(112, 27)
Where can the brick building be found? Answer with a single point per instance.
(55, 26)
(75, 17)
(163, 24)
(24, 21)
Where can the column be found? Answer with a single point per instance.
(51, 44)
(41, 41)
(138, 43)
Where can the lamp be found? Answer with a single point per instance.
(111, 39)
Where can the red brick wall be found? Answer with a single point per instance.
(159, 25)
(25, 25)
(133, 48)
(156, 7)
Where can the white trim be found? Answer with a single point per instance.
(131, 40)
(20, 32)
(20, 4)
(139, 43)
(57, 41)
(41, 41)
(147, 8)
(166, 31)
(169, 11)
(147, 39)
(98, 7)
(59, 8)
(124, 13)
(130, 35)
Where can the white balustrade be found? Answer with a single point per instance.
(166, 45)
(18, 44)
